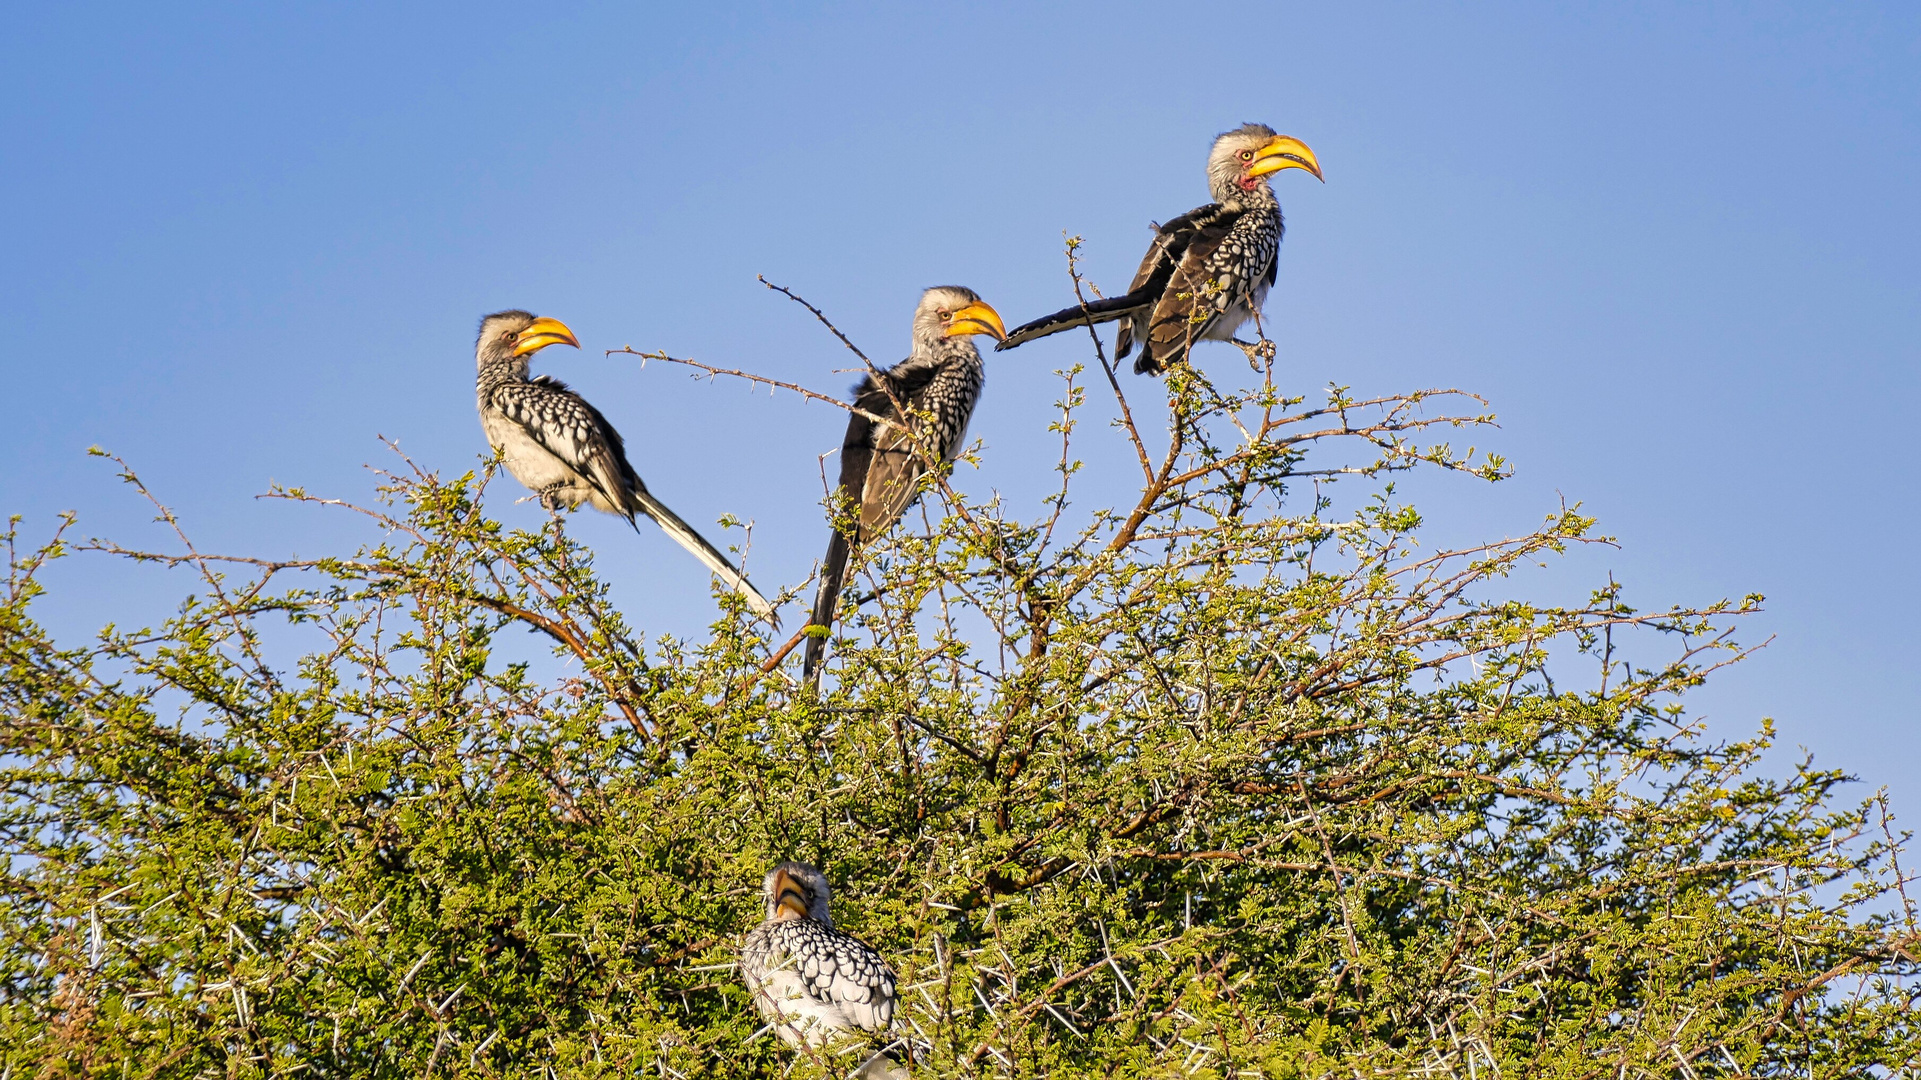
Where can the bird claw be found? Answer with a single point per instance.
(1257, 352)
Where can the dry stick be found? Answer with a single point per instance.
(1040, 1001)
(1370, 432)
(1067, 432)
(789, 294)
(1157, 483)
(774, 661)
(563, 633)
(781, 653)
(873, 372)
(762, 379)
(246, 639)
(1340, 891)
(1900, 881)
(1100, 353)
(108, 547)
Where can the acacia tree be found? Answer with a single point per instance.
(1221, 782)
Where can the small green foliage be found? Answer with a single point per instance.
(1218, 783)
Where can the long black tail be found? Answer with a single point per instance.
(833, 571)
(686, 537)
(1100, 311)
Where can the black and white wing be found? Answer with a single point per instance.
(564, 424)
(567, 426)
(1173, 244)
(1213, 271)
(841, 982)
(881, 465)
(842, 970)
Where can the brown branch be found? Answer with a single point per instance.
(811, 395)
(824, 321)
(564, 634)
(1100, 353)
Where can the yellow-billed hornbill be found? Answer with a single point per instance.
(1208, 271)
(820, 988)
(881, 464)
(561, 447)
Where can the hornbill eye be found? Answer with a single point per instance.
(1247, 155)
(946, 315)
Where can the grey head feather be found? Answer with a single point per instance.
(490, 343)
(813, 885)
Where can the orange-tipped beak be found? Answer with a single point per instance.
(1285, 152)
(977, 319)
(543, 332)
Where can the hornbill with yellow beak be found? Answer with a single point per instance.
(562, 448)
(1207, 271)
(820, 988)
(881, 464)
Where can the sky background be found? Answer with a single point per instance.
(1674, 246)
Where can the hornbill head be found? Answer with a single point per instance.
(796, 891)
(950, 311)
(515, 335)
(1243, 156)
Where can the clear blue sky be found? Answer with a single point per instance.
(1676, 247)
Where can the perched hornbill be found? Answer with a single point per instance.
(881, 465)
(558, 445)
(819, 988)
(1208, 271)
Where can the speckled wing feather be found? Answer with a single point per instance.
(1195, 234)
(1208, 278)
(894, 459)
(571, 429)
(1172, 241)
(836, 971)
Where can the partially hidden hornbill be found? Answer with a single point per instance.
(881, 464)
(1207, 271)
(562, 448)
(817, 986)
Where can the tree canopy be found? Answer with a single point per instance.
(1234, 779)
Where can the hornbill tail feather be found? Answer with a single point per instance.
(833, 572)
(708, 554)
(1099, 311)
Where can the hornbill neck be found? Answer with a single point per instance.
(498, 367)
(1232, 196)
(943, 352)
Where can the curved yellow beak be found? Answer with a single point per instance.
(543, 332)
(790, 902)
(977, 319)
(1285, 152)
